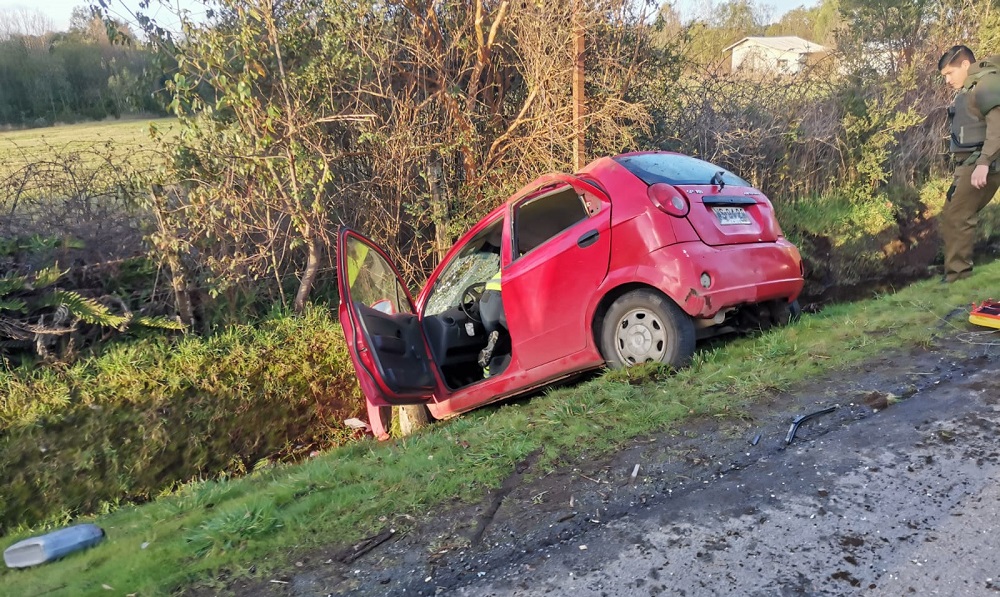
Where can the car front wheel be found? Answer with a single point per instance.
(643, 326)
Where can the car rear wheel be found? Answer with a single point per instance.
(643, 326)
(785, 313)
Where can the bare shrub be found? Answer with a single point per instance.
(72, 231)
(84, 197)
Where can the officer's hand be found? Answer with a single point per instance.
(979, 176)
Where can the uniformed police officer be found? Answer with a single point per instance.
(975, 148)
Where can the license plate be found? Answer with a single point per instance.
(731, 216)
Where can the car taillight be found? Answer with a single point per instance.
(668, 200)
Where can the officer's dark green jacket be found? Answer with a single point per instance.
(975, 125)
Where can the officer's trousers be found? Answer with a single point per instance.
(491, 311)
(959, 218)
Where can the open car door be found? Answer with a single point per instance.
(381, 326)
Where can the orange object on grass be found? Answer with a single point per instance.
(986, 314)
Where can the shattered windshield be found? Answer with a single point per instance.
(478, 261)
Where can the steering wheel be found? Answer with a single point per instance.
(470, 300)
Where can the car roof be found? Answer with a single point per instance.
(547, 178)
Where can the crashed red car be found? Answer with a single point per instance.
(631, 260)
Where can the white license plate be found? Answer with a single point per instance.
(731, 216)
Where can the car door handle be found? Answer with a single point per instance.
(588, 239)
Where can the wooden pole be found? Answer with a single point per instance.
(579, 96)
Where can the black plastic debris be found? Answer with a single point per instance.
(802, 419)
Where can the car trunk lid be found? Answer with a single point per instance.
(723, 209)
(730, 215)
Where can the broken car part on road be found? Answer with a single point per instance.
(802, 419)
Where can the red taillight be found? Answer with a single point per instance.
(668, 199)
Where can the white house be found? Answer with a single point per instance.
(787, 54)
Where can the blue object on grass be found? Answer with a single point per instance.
(52, 546)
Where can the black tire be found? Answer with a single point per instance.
(795, 311)
(643, 326)
(784, 313)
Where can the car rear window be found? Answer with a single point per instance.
(673, 168)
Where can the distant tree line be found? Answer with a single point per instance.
(90, 72)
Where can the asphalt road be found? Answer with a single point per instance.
(904, 501)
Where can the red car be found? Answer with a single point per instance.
(630, 260)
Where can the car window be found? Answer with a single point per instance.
(372, 281)
(672, 168)
(477, 261)
(541, 218)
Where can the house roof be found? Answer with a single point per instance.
(788, 43)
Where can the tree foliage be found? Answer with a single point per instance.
(48, 77)
(891, 28)
(723, 24)
(405, 119)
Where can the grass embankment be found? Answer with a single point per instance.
(889, 237)
(346, 493)
(147, 415)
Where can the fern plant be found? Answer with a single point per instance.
(35, 311)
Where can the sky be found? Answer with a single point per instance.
(59, 11)
(689, 9)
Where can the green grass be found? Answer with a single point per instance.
(145, 415)
(128, 133)
(229, 524)
(33, 146)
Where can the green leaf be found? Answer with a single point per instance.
(162, 323)
(47, 277)
(11, 284)
(86, 309)
(16, 305)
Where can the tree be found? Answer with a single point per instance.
(827, 22)
(800, 22)
(722, 25)
(48, 76)
(406, 119)
(668, 27)
(24, 23)
(888, 31)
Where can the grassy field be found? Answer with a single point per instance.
(187, 537)
(130, 133)
(18, 148)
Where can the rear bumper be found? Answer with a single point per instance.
(740, 274)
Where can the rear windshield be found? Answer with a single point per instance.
(673, 168)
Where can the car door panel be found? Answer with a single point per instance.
(383, 333)
(398, 341)
(546, 291)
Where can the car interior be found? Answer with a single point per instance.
(452, 323)
(451, 320)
